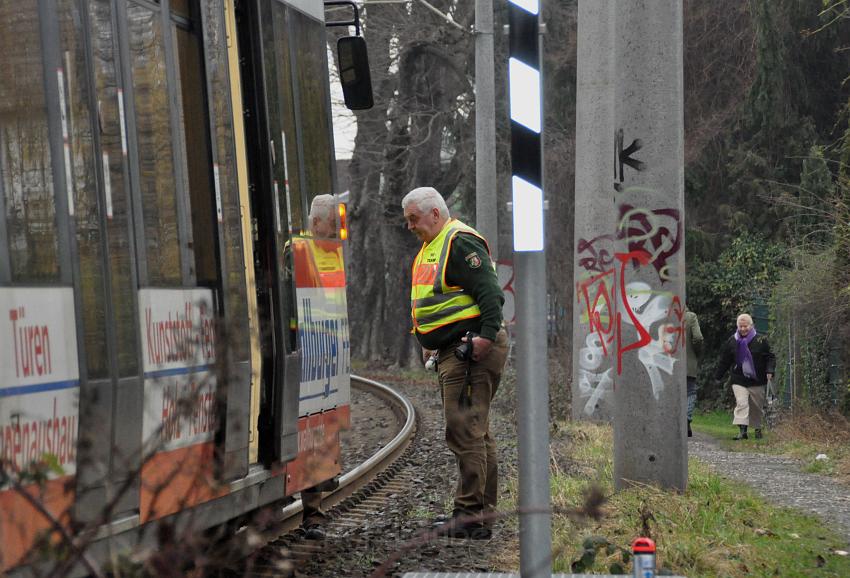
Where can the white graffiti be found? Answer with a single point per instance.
(592, 385)
(650, 307)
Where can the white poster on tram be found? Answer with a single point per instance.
(179, 349)
(322, 325)
(39, 378)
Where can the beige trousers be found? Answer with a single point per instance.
(749, 404)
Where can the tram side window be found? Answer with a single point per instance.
(311, 51)
(117, 228)
(181, 8)
(156, 164)
(196, 152)
(83, 181)
(25, 162)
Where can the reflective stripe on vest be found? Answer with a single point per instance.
(433, 303)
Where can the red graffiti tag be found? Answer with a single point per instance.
(641, 257)
(602, 300)
(677, 329)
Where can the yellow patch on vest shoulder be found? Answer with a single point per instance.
(473, 260)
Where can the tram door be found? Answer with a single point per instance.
(110, 447)
(188, 249)
(173, 252)
(278, 212)
(285, 84)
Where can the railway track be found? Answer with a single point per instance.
(361, 490)
(369, 470)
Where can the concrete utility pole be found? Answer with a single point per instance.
(595, 221)
(486, 193)
(649, 266)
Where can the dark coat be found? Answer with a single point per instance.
(763, 359)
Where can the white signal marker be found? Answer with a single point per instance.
(530, 6)
(524, 84)
(527, 215)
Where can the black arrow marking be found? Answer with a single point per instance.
(624, 156)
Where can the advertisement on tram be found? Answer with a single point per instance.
(39, 379)
(178, 329)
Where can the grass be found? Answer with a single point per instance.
(804, 436)
(379, 372)
(715, 528)
(718, 424)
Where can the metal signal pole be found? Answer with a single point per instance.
(530, 269)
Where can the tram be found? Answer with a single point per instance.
(174, 344)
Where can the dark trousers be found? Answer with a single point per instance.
(468, 426)
(311, 501)
(692, 396)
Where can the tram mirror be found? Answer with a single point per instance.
(354, 72)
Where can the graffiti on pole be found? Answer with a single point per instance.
(652, 320)
(657, 232)
(618, 313)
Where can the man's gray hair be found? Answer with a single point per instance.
(425, 199)
(323, 207)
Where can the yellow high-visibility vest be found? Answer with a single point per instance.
(433, 303)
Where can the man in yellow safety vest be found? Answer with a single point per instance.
(456, 307)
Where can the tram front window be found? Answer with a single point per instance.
(282, 119)
(310, 54)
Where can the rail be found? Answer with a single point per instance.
(364, 473)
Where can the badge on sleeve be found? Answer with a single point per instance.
(473, 260)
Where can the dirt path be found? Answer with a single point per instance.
(779, 480)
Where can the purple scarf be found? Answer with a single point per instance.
(743, 357)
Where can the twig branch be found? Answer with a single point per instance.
(57, 526)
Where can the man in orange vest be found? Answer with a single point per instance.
(456, 307)
(322, 218)
(321, 224)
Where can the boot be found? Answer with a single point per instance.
(690, 433)
(463, 526)
(742, 433)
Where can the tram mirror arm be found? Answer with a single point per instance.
(353, 60)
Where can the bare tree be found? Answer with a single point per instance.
(416, 135)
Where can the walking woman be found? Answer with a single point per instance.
(752, 365)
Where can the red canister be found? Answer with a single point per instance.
(643, 552)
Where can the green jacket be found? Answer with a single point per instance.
(479, 279)
(693, 344)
